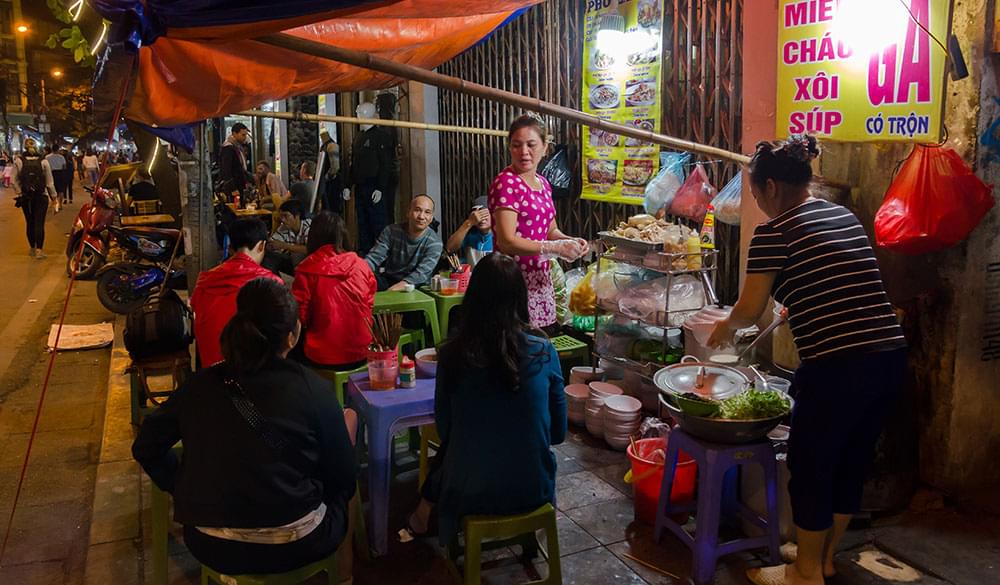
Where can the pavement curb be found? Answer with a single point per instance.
(115, 522)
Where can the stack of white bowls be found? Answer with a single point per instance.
(576, 400)
(594, 409)
(584, 374)
(621, 420)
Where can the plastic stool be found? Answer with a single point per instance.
(329, 564)
(145, 400)
(339, 379)
(428, 436)
(414, 337)
(571, 351)
(506, 530)
(714, 463)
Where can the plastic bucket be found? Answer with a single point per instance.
(646, 477)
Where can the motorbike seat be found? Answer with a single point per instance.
(152, 231)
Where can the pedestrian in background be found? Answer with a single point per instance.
(68, 177)
(91, 166)
(58, 166)
(35, 188)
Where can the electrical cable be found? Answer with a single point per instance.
(924, 28)
(62, 318)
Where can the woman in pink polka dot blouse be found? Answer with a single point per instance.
(524, 225)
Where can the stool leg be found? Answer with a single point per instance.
(425, 445)
(552, 545)
(160, 526)
(473, 553)
(706, 535)
(360, 528)
(666, 486)
(773, 519)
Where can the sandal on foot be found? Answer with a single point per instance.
(767, 575)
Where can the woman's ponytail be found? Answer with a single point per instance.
(266, 313)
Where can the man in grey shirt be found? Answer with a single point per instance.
(407, 253)
(58, 166)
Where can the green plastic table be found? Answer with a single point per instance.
(445, 303)
(410, 302)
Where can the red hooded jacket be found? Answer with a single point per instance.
(336, 294)
(214, 302)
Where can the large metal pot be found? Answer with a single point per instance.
(719, 430)
(708, 380)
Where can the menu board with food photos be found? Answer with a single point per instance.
(621, 83)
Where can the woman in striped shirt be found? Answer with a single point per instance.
(814, 257)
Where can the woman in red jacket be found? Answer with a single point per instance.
(335, 290)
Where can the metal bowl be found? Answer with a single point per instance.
(718, 430)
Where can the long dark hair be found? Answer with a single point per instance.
(494, 319)
(266, 312)
(786, 161)
(327, 228)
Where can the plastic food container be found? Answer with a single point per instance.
(449, 286)
(383, 368)
(426, 363)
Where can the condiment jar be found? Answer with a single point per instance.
(407, 373)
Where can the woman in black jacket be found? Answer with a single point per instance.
(268, 468)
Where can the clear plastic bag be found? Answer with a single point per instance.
(556, 170)
(583, 298)
(661, 189)
(727, 202)
(692, 199)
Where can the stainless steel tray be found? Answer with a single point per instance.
(611, 239)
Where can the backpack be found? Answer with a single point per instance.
(32, 176)
(162, 325)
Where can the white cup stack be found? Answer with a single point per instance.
(576, 400)
(594, 411)
(621, 415)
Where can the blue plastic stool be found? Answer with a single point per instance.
(716, 495)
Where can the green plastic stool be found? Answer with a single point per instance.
(503, 531)
(409, 302)
(329, 564)
(339, 379)
(414, 337)
(571, 351)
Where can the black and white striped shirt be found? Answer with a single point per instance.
(828, 279)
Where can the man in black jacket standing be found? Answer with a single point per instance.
(233, 160)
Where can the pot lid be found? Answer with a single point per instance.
(705, 379)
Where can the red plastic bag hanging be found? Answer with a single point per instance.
(934, 202)
(692, 199)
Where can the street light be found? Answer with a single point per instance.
(57, 73)
(22, 28)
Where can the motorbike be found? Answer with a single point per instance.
(148, 253)
(91, 226)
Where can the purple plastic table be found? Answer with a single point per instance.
(385, 414)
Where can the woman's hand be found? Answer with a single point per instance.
(584, 246)
(568, 250)
(722, 334)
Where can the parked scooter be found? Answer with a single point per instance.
(149, 251)
(91, 226)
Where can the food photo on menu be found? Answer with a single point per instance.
(648, 14)
(640, 92)
(647, 124)
(637, 172)
(600, 138)
(604, 97)
(602, 171)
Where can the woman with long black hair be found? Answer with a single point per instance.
(268, 466)
(499, 407)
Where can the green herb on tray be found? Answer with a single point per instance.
(754, 404)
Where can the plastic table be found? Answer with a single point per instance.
(445, 304)
(409, 302)
(385, 414)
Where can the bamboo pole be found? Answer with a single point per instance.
(367, 61)
(374, 121)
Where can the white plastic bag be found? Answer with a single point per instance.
(727, 202)
(661, 189)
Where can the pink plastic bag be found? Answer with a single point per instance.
(693, 197)
(934, 202)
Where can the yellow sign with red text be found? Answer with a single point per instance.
(862, 70)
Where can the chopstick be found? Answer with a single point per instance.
(650, 566)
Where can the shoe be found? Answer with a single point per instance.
(39, 255)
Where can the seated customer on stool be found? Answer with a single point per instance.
(475, 234)
(287, 247)
(214, 298)
(498, 406)
(407, 253)
(335, 290)
(268, 465)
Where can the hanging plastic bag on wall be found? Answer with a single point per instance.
(661, 189)
(556, 171)
(727, 202)
(693, 197)
(934, 202)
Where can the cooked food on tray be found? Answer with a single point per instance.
(602, 60)
(645, 228)
(642, 125)
(642, 93)
(602, 171)
(637, 172)
(604, 97)
(648, 14)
